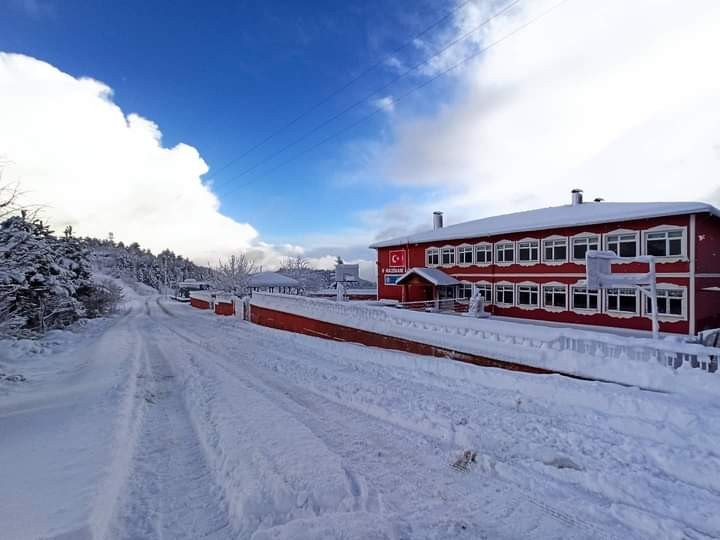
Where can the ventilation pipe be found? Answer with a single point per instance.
(437, 220)
(576, 196)
(598, 199)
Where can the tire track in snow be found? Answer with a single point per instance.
(329, 420)
(170, 491)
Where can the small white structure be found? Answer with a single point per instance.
(476, 307)
(273, 282)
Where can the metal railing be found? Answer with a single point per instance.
(446, 305)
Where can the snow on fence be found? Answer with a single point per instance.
(658, 364)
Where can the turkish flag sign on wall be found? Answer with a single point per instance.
(397, 258)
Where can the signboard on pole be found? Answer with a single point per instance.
(599, 275)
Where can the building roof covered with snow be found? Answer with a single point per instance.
(271, 279)
(569, 215)
(431, 275)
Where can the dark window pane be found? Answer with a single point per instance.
(628, 249)
(593, 301)
(612, 302)
(579, 251)
(656, 247)
(628, 303)
(675, 246)
(560, 252)
(675, 306)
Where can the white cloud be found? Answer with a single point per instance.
(386, 103)
(616, 97)
(95, 168)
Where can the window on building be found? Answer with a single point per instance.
(665, 243)
(555, 250)
(528, 251)
(448, 255)
(464, 290)
(583, 244)
(465, 255)
(555, 296)
(504, 295)
(483, 254)
(624, 245)
(391, 279)
(485, 289)
(584, 298)
(432, 256)
(622, 300)
(504, 252)
(669, 302)
(528, 295)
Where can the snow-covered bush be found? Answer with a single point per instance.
(101, 299)
(41, 278)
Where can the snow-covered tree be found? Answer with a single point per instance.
(232, 274)
(41, 277)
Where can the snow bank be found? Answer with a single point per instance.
(628, 360)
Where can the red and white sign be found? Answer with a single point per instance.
(397, 258)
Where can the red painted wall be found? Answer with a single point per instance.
(224, 308)
(335, 332)
(200, 304)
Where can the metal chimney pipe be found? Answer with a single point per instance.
(576, 197)
(437, 220)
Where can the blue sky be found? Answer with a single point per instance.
(612, 97)
(221, 76)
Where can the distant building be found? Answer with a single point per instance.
(532, 264)
(273, 282)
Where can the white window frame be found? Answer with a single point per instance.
(617, 312)
(662, 229)
(489, 285)
(500, 244)
(622, 232)
(490, 250)
(556, 238)
(582, 236)
(529, 262)
(427, 256)
(522, 284)
(668, 317)
(555, 285)
(472, 254)
(462, 286)
(503, 284)
(442, 255)
(580, 310)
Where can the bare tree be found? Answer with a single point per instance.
(296, 266)
(232, 274)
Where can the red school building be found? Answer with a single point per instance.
(532, 264)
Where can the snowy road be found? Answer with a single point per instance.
(173, 423)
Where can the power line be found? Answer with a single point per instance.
(363, 100)
(343, 87)
(406, 94)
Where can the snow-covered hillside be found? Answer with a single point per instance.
(171, 422)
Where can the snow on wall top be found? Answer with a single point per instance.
(433, 275)
(271, 279)
(587, 213)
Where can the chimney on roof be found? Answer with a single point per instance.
(437, 220)
(576, 197)
(598, 199)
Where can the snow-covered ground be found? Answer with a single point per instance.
(172, 422)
